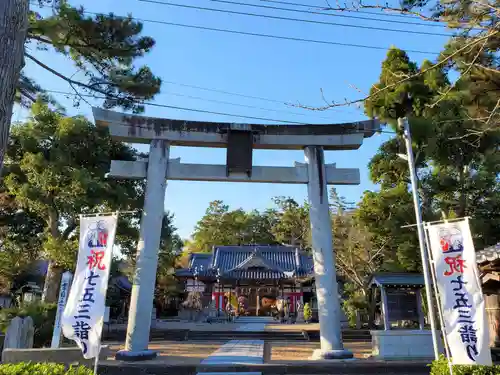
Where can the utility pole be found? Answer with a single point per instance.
(405, 126)
(13, 30)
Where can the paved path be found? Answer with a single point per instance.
(252, 327)
(237, 352)
(253, 323)
(240, 351)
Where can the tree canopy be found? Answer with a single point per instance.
(103, 47)
(471, 54)
(56, 169)
(286, 223)
(20, 240)
(457, 175)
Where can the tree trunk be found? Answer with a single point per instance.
(52, 281)
(13, 30)
(54, 273)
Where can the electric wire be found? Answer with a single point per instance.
(241, 105)
(282, 102)
(202, 111)
(227, 11)
(269, 36)
(341, 10)
(221, 91)
(177, 107)
(331, 14)
(225, 92)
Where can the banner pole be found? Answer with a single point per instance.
(438, 300)
(403, 124)
(96, 362)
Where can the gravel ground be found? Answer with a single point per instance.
(284, 351)
(174, 352)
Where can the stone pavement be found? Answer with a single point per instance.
(240, 352)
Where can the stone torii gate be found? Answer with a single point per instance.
(240, 140)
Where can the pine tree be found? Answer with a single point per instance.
(103, 47)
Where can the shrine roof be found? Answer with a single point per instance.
(488, 254)
(397, 279)
(250, 262)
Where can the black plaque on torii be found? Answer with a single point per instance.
(239, 149)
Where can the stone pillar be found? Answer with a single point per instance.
(420, 309)
(329, 310)
(141, 302)
(385, 309)
(258, 303)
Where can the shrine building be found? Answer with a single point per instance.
(252, 271)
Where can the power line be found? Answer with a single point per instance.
(241, 105)
(193, 109)
(282, 102)
(432, 24)
(227, 11)
(346, 10)
(226, 92)
(294, 39)
(177, 107)
(270, 36)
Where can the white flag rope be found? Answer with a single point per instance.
(82, 320)
(460, 295)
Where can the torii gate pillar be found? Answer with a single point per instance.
(141, 300)
(327, 294)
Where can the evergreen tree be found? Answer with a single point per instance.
(56, 170)
(103, 47)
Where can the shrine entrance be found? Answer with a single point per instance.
(240, 140)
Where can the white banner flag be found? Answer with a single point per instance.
(462, 300)
(82, 320)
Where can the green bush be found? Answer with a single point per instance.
(440, 367)
(307, 312)
(42, 369)
(43, 315)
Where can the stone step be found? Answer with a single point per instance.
(183, 335)
(247, 335)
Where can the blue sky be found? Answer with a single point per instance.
(286, 71)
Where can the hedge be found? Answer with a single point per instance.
(42, 369)
(440, 367)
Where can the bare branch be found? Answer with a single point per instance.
(402, 11)
(453, 85)
(408, 78)
(492, 114)
(488, 69)
(385, 8)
